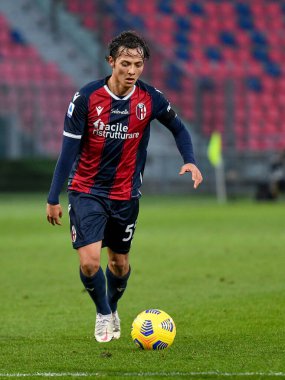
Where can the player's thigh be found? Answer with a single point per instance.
(121, 226)
(88, 217)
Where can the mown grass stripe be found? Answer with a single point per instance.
(144, 374)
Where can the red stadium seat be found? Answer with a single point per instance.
(25, 81)
(89, 21)
(73, 6)
(180, 8)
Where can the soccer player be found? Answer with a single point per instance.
(105, 138)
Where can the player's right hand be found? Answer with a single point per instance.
(54, 213)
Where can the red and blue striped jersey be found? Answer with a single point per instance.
(114, 133)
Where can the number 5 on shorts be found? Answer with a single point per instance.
(130, 231)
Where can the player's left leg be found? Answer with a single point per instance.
(117, 273)
(118, 238)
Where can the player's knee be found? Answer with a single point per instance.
(119, 268)
(89, 268)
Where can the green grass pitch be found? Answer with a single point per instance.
(218, 270)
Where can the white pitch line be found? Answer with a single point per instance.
(144, 374)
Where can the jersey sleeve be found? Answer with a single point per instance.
(76, 116)
(161, 105)
(74, 124)
(167, 116)
(70, 149)
(183, 139)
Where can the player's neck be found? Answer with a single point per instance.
(117, 89)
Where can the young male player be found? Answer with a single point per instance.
(105, 137)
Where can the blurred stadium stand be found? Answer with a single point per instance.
(219, 62)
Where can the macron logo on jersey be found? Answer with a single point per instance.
(113, 131)
(99, 109)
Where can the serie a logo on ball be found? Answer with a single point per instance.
(153, 329)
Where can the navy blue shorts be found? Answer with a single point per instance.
(94, 218)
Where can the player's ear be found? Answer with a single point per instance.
(111, 61)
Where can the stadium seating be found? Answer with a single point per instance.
(33, 89)
(225, 57)
(86, 10)
(236, 46)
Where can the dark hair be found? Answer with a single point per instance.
(129, 40)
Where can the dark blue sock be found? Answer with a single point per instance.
(96, 287)
(116, 287)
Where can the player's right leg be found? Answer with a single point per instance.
(88, 217)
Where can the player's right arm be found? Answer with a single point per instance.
(73, 130)
(69, 151)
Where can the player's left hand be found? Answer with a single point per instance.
(54, 213)
(196, 174)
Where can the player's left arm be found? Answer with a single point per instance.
(184, 144)
(163, 112)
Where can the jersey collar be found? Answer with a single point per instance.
(116, 97)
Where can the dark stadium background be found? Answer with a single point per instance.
(219, 62)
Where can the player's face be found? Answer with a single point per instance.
(127, 67)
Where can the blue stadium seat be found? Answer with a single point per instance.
(121, 25)
(164, 6)
(258, 38)
(183, 23)
(138, 22)
(119, 5)
(243, 9)
(254, 83)
(196, 8)
(246, 22)
(260, 54)
(182, 53)
(213, 53)
(181, 38)
(17, 37)
(272, 69)
(228, 38)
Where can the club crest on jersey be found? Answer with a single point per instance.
(73, 234)
(141, 111)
